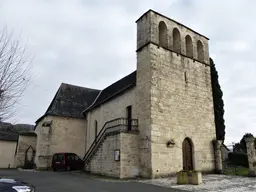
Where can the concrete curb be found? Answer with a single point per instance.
(102, 178)
(27, 170)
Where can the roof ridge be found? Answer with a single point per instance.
(70, 100)
(79, 86)
(119, 80)
(93, 102)
(113, 94)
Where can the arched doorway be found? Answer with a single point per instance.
(187, 151)
(29, 158)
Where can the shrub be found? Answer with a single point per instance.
(238, 159)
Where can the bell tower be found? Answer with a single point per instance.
(174, 95)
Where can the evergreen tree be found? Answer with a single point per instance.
(217, 103)
(241, 146)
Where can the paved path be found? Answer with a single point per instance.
(211, 183)
(67, 182)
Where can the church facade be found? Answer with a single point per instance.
(166, 104)
(154, 122)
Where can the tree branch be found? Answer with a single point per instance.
(14, 74)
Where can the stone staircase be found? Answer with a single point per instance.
(111, 127)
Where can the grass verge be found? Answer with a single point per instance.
(239, 171)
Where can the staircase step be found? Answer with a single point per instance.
(97, 146)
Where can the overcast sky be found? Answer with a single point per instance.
(92, 44)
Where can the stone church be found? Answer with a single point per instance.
(156, 121)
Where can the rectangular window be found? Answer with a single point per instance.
(71, 157)
(77, 158)
(55, 157)
(129, 117)
(95, 129)
(60, 157)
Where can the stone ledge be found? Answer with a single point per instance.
(189, 177)
(44, 169)
(130, 131)
(252, 173)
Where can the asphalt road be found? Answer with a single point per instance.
(67, 182)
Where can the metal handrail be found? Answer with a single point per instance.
(108, 127)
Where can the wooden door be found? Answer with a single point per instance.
(187, 155)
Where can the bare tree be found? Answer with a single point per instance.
(14, 74)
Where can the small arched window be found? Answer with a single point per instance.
(176, 40)
(163, 36)
(200, 51)
(96, 128)
(189, 46)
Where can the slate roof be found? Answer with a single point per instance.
(23, 127)
(8, 136)
(15, 128)
(114, 90)
(5, 126)
(70, 101)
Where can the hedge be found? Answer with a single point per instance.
(238, 159)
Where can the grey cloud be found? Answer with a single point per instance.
(92, 43)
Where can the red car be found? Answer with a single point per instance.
(67, 161)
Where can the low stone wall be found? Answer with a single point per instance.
(104, 163)
(224, 153)
(25, 141)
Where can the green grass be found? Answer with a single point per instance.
(240, 171)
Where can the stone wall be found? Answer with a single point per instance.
(7, 153)
(42, 158)
(64, 135)
(180, 109)
(224, 153)
(129, 155)
(108, 111)
(24, 142)
(177, 88)
(148, 32)
(251, 154)
(103, 161)
(143, 106)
